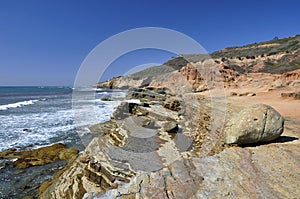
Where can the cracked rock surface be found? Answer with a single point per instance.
(157, 169)
(257, 123)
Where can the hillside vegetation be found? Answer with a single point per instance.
(152, 71)
(275, 56)
(271, 47)
(288, 49)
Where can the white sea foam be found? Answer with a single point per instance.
(17, 104)
(137, 101)
(53, 122)
(43, 126)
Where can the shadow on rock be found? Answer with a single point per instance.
(281, 139)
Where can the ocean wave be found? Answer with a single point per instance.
(17, 104)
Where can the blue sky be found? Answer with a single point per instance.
(43, 42)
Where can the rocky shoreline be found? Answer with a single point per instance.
(158, 148)
(225, 127)
(30, 168)
(154, 149)
(198, 131)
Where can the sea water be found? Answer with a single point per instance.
(33, 117)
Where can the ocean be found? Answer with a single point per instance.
(32, 117)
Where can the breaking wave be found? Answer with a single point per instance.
(17, 104)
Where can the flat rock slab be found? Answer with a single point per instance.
(160, 113)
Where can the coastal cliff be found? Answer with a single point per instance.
(234, 64)
(171, 144)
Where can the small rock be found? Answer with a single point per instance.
(172, 103)
(258, 123)
(84, 159)
(251, 94)
(139, 111)
(28, 197)
(170, 127)
(247, 94)
(144, 104)
(233, 94)
(18, 172)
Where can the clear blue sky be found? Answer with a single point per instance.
(43, 42)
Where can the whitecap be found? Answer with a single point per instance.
(17, 104)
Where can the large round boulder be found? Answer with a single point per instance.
(258, 123)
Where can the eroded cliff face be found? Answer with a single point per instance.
(234, 72)
(123, 82)
(288, 77)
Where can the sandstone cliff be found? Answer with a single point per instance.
(233, 66)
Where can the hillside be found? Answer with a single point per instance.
(152, 71)
(235, 64)
(278, 56)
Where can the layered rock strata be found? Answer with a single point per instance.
(147, 151)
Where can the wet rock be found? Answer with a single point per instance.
(18, 172)
(39, 156)
(8, 154)
(258, 123)
(28, 197)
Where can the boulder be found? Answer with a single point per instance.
(258, 123)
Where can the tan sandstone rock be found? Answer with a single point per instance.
(258, 123)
